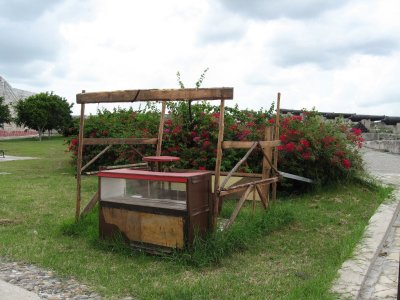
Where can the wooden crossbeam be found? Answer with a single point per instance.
(248, 144)
(156, 95)
(120, 141)
(241, 187)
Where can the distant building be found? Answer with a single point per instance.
(12, 95)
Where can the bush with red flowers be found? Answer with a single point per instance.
(192, 137)
(323, 150)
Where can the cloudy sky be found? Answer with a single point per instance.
(334, 55)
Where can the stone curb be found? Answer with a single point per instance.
(354, 271)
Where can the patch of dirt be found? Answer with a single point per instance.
(5, 222)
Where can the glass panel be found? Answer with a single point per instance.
(144, 192)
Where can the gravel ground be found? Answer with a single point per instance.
(43, 282)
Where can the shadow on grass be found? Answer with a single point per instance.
(245, 232)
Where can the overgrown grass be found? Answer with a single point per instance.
(292, 251)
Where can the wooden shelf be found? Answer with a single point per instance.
(149, 202)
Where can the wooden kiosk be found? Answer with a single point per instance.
(149, 208)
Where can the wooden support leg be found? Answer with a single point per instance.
(276, 136)
(266, 164)
(264, 199)
(238, 207)
(79, 163)
(218, 161)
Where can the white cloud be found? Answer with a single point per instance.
(335, 55)
(271, 9)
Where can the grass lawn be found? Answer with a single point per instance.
(296, 259)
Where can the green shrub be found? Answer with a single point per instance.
(325, 151)
(194, 141)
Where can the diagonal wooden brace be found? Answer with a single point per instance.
(238, 165)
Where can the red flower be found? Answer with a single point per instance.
(206, 144)
(196, 139)
(271, 121)
(299, 148)
(281, 148)
(328, 140)
(335, 160)
(202, 167)
(305, 143)
(204, 134)
(297, 118)
(290, 147)
(283, 138)
(339, 153)
(233, 127)
(74, 142)
(177, 129)
(306, 155)
(250, 124)
(346, 163)
(356, 131)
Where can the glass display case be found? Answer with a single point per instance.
(155, 210)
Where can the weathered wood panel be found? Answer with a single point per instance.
(144, 227)
(248, 144)
(156, 95)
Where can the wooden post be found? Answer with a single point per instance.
(266, 168)
(218, 161)
(161, 129)
(276, 136)
(79, 163)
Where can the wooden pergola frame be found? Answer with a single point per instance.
(268, 146)
(222, 94)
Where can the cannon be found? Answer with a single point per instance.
(391, 120)
(358, 118)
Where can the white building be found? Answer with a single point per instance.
(12, 95)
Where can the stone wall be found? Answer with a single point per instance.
(392, 146)
(373, 136)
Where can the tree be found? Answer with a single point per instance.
(43, 111)
(5, 114)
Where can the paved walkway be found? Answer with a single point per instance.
(373, 271)
(11, 292)
(11, 158)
